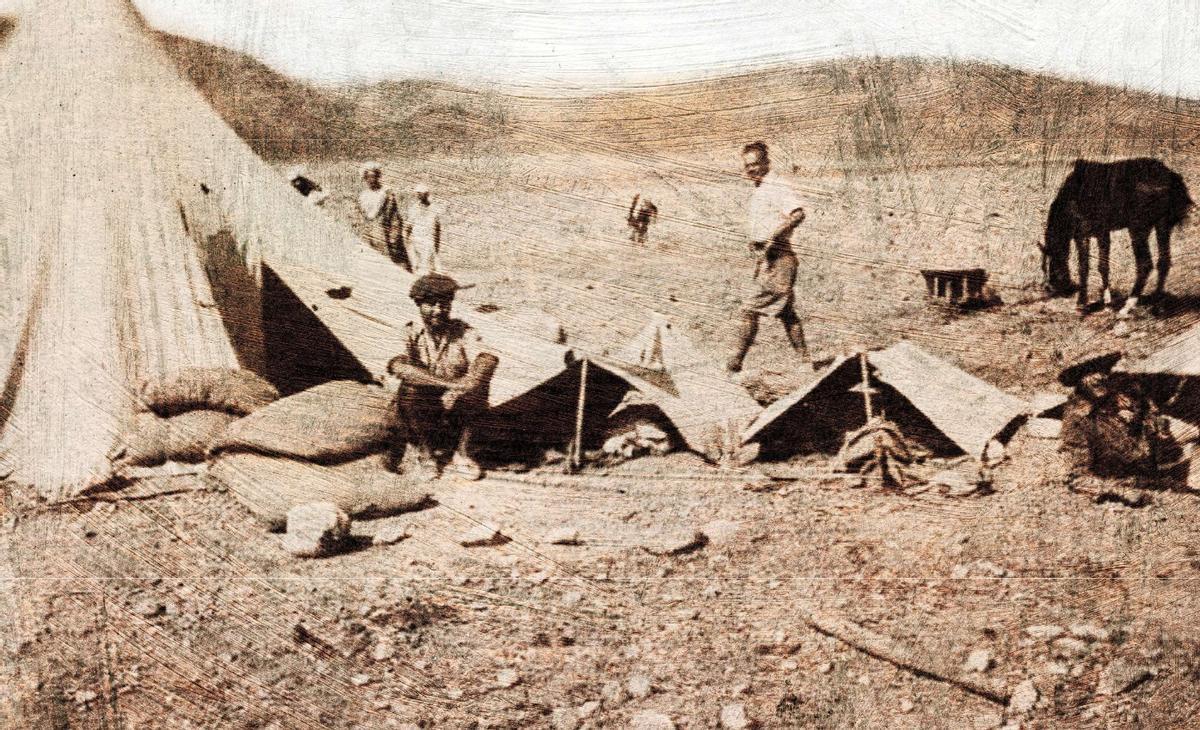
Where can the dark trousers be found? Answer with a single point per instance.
(418, 417)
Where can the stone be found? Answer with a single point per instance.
(572, 598)
(483, 535)
(84, 696)
(720, 532)
(907, 706)
(315, 530)
(1047, 632)
(651, 720)
(1069, 648)
(1121, 676)
(587, 709)
(360, 680)
(1055, 669)
(979, 660)
(392, 534)
(147, 607)
(563, 536)
(733, 717)
(612, 694)
(506, 678)
(1089, 632)
(676, 543)
(825, 667)
(564, 718)
(1023, 698)
(639, 686)
(383, 651)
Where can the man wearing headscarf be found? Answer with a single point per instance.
(441, 382)
(381, 210)
(423, 232)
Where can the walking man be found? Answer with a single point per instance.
(776, 210)
(441, 382)
(381, 209)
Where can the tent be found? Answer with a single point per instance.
(946, 410)
(140, 235)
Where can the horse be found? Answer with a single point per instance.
(1098, 198)
(640, 217)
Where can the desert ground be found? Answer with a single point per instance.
(169, 606)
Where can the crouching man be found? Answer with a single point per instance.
(441, 382)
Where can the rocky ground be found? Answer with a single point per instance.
(662, 592)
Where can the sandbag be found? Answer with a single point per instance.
(331, 422)
(151, 440)
(269, 486)
(236, 391)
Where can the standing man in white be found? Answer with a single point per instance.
(423, 233)
(776, 210)
(381, 209)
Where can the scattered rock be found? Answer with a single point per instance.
(1089, 632)
(1069, 648)
(612, 694)
(651, 720)
(825, 667)
(482, 535)
(563, 536)
(676, 543)
(587, 709)
(383, 651)
(84, 696)
(148, 607)
(720, 532)
(315, 529)
(572, 598)
(392, 534)
(1121, 676)
(360, 680)
(907, 706)
(506, 678)
(733, 717)
(639, 686)
(564, 718)
(1055, 669)
(1023, 698)
(979, 660)
(1044, 633)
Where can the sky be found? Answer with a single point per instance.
(586, 45)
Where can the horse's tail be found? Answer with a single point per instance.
(1180, 201)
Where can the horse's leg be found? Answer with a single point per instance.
(1141, 256)
(1104, 241)
(1083, 245)
(1162, 236)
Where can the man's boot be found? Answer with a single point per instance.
(462, 464)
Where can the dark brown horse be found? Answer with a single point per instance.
(1098, 198)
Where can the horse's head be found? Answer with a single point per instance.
(1056, 253)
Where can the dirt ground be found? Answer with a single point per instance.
(180, 611)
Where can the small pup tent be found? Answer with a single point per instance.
(945, 410)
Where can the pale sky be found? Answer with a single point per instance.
(586, 44)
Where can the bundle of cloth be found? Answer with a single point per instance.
(324, 444)
(177, 418)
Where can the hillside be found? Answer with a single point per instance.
(283, 118)
(898, 112)
(889, 112)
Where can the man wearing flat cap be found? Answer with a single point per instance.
(441, 382)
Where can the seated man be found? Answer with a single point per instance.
(441, 382)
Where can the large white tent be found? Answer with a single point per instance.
(136, 231)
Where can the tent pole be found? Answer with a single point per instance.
(866, 385)
(576, 459)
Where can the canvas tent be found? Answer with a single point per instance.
(140, 235)
(941, 407)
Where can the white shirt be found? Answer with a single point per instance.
(421, 221)
(772, 201)
(370, 202)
